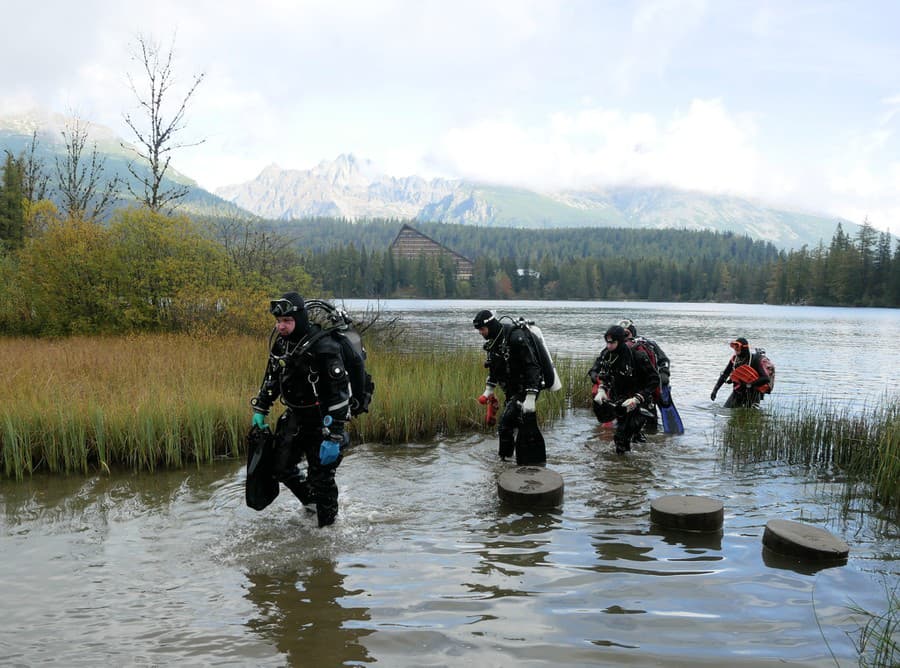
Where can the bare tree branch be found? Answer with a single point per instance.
(35, 179)
(80, 181)
(156, 132)
(254, 250)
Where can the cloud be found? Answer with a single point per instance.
(785, 102)
(704, 148)
(658, 28)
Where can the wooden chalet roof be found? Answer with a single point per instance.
(412, 244)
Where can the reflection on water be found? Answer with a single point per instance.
(302, 615)
(425, 567)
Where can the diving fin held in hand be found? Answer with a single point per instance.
(260, 488)
(668, 414)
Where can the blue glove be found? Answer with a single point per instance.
(259, 421)
(329, 451)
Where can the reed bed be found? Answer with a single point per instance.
(878, 640)
(863, 447)
(144, 402)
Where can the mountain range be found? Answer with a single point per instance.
(354, 189)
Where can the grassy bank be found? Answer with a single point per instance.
(142, 402)
(149, 401)
(864, 448)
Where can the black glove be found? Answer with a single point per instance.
(663, 376)
(712, 395)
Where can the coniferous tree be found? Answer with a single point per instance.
(12, 204)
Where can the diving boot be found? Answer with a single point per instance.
(639, 437)
(622, 446)
(300, 487)
(326, 515)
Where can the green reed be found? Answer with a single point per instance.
(878, 639)
(143, 402)
(864, 447)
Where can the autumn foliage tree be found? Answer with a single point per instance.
(143, 271)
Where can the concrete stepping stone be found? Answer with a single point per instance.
(796, 539)
(688, 513)
(531, 487)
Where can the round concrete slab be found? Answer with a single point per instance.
(688, 513)
(796, 539)
(531, 487)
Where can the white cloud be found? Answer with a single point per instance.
(784, 102)
(658, 27)
(703, 149)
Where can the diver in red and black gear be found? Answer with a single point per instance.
(513, 365)
(625, 379)
(744, 393)
(308, 373)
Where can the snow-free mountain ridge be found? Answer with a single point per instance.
(354, 189)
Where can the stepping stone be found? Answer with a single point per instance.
(688, 513)
(531, 487)
(796, 539)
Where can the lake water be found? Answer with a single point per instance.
(425, 567)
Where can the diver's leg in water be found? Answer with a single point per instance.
(322, 485)
(743, 398)
(734, 400)
(288, 454)
(634, 420)
(622, 437)
(508, 425)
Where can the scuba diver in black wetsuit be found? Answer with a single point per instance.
(662, 407)
(512, 364)
(625, 380)
(745, 391)
(307, 371)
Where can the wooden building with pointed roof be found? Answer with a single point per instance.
(410, 244)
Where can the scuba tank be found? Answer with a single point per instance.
(551, 378)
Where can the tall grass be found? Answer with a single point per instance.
(72, 405)
(878, 640)
(865, 448)
(148, 401)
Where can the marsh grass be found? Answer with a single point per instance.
(878, 640)
(144, 402)
(863, 447)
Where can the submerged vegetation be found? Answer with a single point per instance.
(878, 640)
(863, 448)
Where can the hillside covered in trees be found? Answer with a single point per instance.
(352, 260)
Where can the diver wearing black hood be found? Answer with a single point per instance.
(308, 374)
(512, 364)
(625, 380)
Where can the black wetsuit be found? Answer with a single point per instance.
(513, 365)
(312, 382)
(625, 373)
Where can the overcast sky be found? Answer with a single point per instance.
(791, 102)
